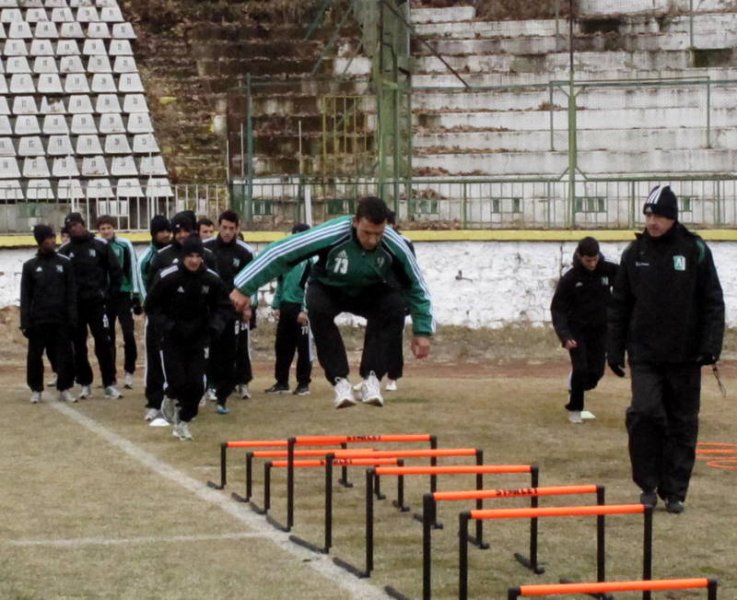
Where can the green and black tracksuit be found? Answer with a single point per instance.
(347, 278)
(667, 312)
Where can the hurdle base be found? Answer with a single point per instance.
(309, 545)
(598, 596)
(363, 574)
(257, 509)
(526, 562)
(215, 486)
(395, 593)
(345, 483)
(435, 525)
(238, 497)
(401, 507)
(472, 539)
(272, 521)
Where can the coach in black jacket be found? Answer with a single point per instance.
(98, 276)
(48, 314)
(579, 311)
(668, 313)
(189, 305)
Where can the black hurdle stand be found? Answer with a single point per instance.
(223, 476)
(328, 532)
(532, 563)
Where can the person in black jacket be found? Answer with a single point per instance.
(48, 314)
(189, 304)
(579, 311)
(98, 276)
(667, 313)
(231, 255)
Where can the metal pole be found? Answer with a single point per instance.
(572, 150)
(369, 522)
(647, 559)
(328, 502)
(463, 555)
(290, 483)
(428, 517)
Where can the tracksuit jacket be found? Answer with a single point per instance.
(342, 263)
(172, 255)
(144, 266)
(48, 294)
(96, 269)
(667, 304)
(125, 253)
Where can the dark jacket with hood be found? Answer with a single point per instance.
(96, 269)
(48, 293)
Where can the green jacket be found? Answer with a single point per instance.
(126, 255)
(343, 263)
(290, 287)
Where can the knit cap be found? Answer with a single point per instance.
(73, 217)
(159, 223)
(193, 245)
(42, 232)
(661, 201)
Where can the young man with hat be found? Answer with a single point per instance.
(667, 313)
(48, 314)
(98, 276)
(189, 305)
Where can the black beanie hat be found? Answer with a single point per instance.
(183, 220)
(73, 217)
(193, 245)
(159, 223)
(42, 232)
(661, 201)
(300, 227)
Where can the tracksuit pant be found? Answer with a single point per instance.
(55, 340)
(243, 369)
(120, 308)
(663, 426)
(588, 362)
(92, 315)
(154, 375)
(383, 309)
(222, 363)
(292, 337)
(185, 365)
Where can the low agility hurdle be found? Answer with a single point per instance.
(560, 511)
(646, 587)
(429, 509)
(372, 478)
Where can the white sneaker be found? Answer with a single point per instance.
(52, 382)
(35, 397)
(128, 381)
(112, 393)
(391, 385)
(66, 396)
(574, 416)
(181, 431)
(343, 393)
(212, 396)
(151, 414)
(85, 392)
(587, 415)
(371, 391)
(169, 409)
(243, 391)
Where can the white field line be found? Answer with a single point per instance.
(78, 542)
(321, 564)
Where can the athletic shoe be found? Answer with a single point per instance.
(674, 506)
(52, 382)
(302, 390)
(371, 391)
(391, 385)
(211, 395)
(66, 396)
(181, 431)
(222, 410)
(649, 498)
(85, 392)
(112, 393)
(35, 397)
(128, 381)
(151, 414)
(587, 415)
(203, 400)
(243, 391)
(574, 416)
(278, 388)
(169, 409)
(343, 393)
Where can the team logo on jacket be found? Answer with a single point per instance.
(92, 252)
(205, 289)
(236, 262)
(679, 263)
(39, 270)
(59, 269)
(180, 290)
(605, 280)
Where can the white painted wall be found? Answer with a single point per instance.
(501, 282)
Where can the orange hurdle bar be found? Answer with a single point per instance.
(336, 462)
(615, 586)
(559, 511)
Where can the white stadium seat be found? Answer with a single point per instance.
(62, 14)
(54, 125)
(69, 189)
(4, 106)
(11, 15)
(129, 187)
(82, 124)
(107, 103)
(88, 145)
(71, 29)
(76, 83)
(80, 103)
(49, 83)
(98, 31)
(67, 48)
(15, 48)
(41, 48)
(103, 83)
(152, 165)
(35, 167)
(19, 30)
(71, 64)
(158, 187)
(99, 64)
(56, 4)
(120, 48)
(123, 31)
(112, 123)
(111, 14)
(17, 64)
(59, 145)
(140, 123)
(34, 15)
(65, 166)
(45, 64)
(25, 105)
(9, 168)
(125, 64)
(123, 166)
(39, 189)
(104, 3)
(30, 145)
(87, 14)
(46, 30)
(22, 83)
(3, 85)
(100, 188)
(27, 125)
(10, 189)
(134, 103)
(5, 128)
(2, 31)
(94, 48)
(116, 144)
(31, 3)
(6, 146)
(52, 105)
(94, 166)
(145, 143)
(130, 83)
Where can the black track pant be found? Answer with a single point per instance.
(244, 372)
(383, 309)
(55, 340)
(184, 369)
(92, 315)
(222, 365)
(120, 308)
(587, 361)
(154, 375)
(663, 426)
(292, 337)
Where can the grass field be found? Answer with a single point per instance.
(95, 504)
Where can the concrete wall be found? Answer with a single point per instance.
(474, 284)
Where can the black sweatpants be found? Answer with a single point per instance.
(292, 337)
(243, 369)
(154, 372)
(663, 426)
(222, 363)
(92, 315)
(383, 309)
(55, 340)
(184, 370)
(120, 308)
(588, 362)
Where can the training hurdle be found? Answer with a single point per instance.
(599, 588)
(560, 511)
(429, 510)
(372, 478)
(432, 453)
